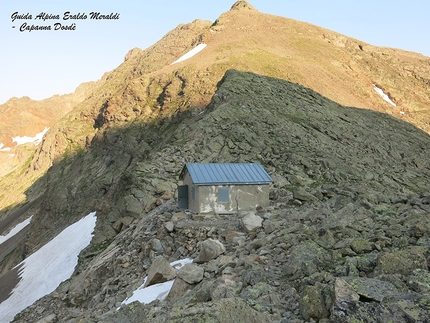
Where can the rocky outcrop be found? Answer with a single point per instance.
(242, 5)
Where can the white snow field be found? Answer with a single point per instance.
(37, 139)
(383, 95)
(191, 53)
(44, 270)
(4, 149)
(15, 230)
(157, 291)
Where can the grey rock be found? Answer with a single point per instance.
(307, 258)
(418, 225)
(133, 206)
(155, 244)
(251, 277)
(325, 238)
(312, 304)
(226, 261)
(371, 288)
(402, 262)
(179, 288)
(190, 273)
(301, 195)
(170, 226)
(160, 271)
(361, 245)
(47, 319)
(251, 222)
(178, 216)
(209, 249)
(344, 294)
(420, 281)
(201, 293)
(348, 306)
(225, 288)
(231, 235)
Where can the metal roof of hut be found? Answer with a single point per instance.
(226, 173)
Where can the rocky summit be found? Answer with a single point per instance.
(346, 237)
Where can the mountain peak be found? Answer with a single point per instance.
(242, 5)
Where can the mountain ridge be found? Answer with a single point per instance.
(281, 49)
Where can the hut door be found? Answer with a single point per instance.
(183, 196)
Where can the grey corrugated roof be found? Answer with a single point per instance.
(226, 173)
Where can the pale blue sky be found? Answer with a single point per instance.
(40, 64)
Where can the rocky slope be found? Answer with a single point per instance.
(23, 117)
(350, 204)
(26, 117)
(147, 88)
(346, 237)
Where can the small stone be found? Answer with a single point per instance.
(170, 226)
(156, 245)
(361, 245)
(47, 319)
(231, 235)
(301, 195)
(179, 216)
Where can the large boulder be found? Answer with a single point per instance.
(371, 289)
(312, 303)
(160, 272)
(179, 288)
(251, 222)
(209, 249)
(190, 273)
(370, 300)
(360, 245)
(306, 259)
(402, 262)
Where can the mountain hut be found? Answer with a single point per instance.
(223, 188)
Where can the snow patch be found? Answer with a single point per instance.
(383, 95)
(151, 293)
(37, 139)
(4, 149)
(44, 270)
(191, 53)
(158, 291)
(15, 230)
